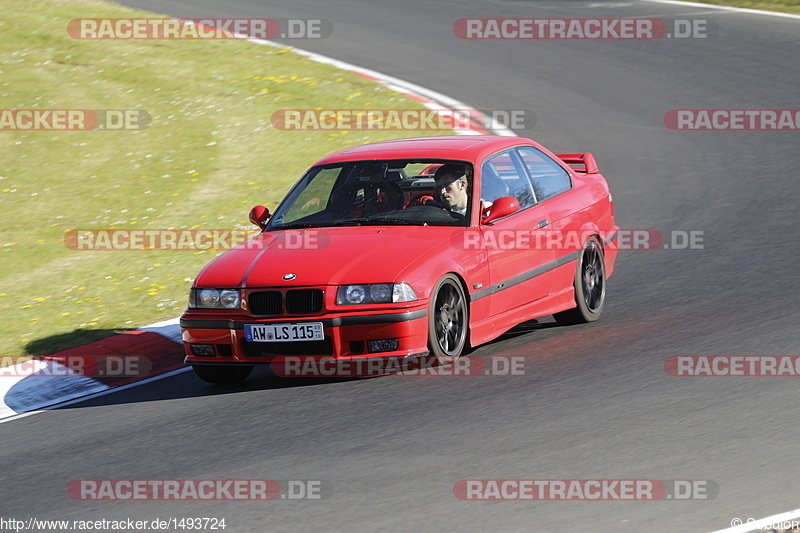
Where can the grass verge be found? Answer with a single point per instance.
(209, 155)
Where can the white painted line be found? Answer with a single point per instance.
(93, 395)
(726, 8)
(760, 525)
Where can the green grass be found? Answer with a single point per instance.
(209, 155)
(785, 6)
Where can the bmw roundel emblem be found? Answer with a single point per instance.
(289, 277)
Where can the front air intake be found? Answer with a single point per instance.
(303, 301)
(266, 303)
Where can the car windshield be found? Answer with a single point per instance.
(370, 193)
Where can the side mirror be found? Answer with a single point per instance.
(502, 207)
(259, 216)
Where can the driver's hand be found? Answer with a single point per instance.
(422, 200)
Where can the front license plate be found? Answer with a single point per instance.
(305, 331)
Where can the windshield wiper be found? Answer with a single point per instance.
(298, 225)
(353, 222)
(399, 221)
(377, 222)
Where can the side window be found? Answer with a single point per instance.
(499, 177)
(548, 177)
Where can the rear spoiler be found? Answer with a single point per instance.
(586, 160)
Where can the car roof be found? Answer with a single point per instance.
(461, 147)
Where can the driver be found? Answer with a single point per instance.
(451, 186)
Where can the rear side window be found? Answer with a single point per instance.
(548, 177)
(500, 177)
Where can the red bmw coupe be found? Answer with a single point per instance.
(408, 248)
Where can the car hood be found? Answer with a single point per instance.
(326, 256)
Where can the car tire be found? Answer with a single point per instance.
(590, 286)
(448, 320)
(222, 373)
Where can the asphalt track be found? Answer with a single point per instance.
(594, 400)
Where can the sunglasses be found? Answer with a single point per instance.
(447, 184)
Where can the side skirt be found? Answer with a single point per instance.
(491, 328)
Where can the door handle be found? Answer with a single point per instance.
(543, 223)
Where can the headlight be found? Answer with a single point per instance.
(229, 299)
(208, 298)
(354, 294)
(380, 292)
(375, 293)
(214, 299)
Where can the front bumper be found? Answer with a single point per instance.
(347, 336)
